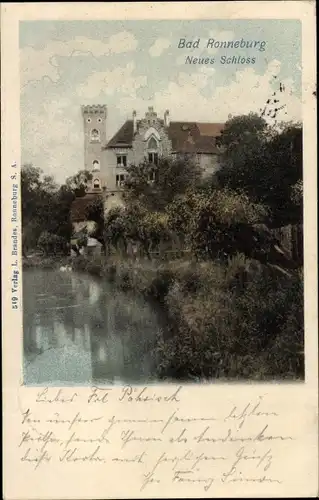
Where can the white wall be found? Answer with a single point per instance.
(110, 168)
(209, 163)
(79, 226)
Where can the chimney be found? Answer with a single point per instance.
(134, 122)
(166, 118)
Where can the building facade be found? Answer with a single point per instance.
(146, 139)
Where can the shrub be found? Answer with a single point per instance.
(230, 328)
(51, 244)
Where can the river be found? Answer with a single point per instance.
(78, 330)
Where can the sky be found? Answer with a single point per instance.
(130, 65)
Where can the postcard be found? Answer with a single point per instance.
(159, 250)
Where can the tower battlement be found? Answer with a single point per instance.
(94, 109)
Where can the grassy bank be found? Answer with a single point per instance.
(234, 320)
(237, 320)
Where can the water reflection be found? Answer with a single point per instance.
(78, 331)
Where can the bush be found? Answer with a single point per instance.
(234, 328)
(51, 244)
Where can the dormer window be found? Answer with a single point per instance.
(95, 135)
(121, 160)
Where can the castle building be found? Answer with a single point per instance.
(138, 140)
(149, 138)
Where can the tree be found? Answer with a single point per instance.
(51, 244)
(46, 206)
(265, 163)
(115, 231)
(243, 144)
(95, 213)
(222, 223)
(137, 225)
(39, 208)
(78, 183)
(283, 176)
(219, 222)
(153, 230)
(155, 186)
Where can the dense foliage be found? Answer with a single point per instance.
(264, 163)
(46, 208)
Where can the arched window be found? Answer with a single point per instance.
(95, 135)
(96, 165)
(96, 184)
(152, 150)
(152, 143)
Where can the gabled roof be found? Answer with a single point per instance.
(123, 136)
(186, 137)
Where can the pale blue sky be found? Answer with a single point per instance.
(133, 64)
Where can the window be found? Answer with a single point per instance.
(95, 135)
(153, 158)
(96, 165)
(96, 184)
(121, 160)
(88, 120)
(152, 144)
(120, 178)
(99, 120)
(152, 176)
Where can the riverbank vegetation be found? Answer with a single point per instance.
(204, 248)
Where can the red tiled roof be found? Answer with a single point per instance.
(211, 129)
(186, 137)
(194, 137)
(79, 207)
